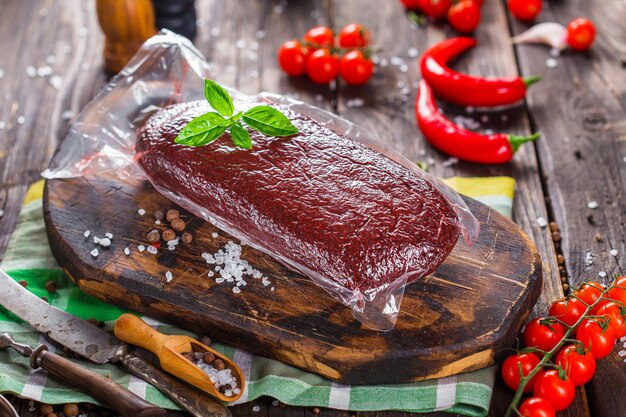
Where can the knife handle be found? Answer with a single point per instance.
(102, 389)
(195, 402)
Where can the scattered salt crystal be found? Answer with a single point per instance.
(396, 60)
(152, 250)
(2, 125)
(467, 122)
(622, 353)
(555, 52)
(254, 46)
(240, 44)
(126, 251)
(469, 109)
(404, 68)
(83, 31)
(141, 248)
(450, 161)
(168, 276)
(31, 71)
(21, 120)
(1, 213)
(215, 235)
(265, 282)
(141, 212)
(56, 81)
(215, 32)
(592, 204)
(157, 222)
(105, 242)
(210, 273)
(44, 71)
(413, 53)
(256, 408)
(613, 252)
(602, 274)
(85, 66)
(542, 222)
(280, 7)
(67, 115)
(260, 34)
(551, 63)
(254, 74)
(96, 239)
(237, 391)
(272, 289)
(50, 59)
(484, 118)
(219, 280)
(94, 253)
(384, 62)
(87, 233)
(109, 235)
(589, 256)
(275, 403)
(622, 339)
(236, 290)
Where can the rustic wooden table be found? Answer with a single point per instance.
(579, 107)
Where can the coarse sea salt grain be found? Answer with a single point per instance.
(141, 248)
(542, 222)
(87, 233)
(593, 204)
(168, 276)
(214, 235)
(602, 274)
(152, 250)
(96, 239)
(613, 252)
(236, 290)
(256, 408)
(109, 235)
(157, 222)
(21, 120)
(94, 253)
(141, 212)
(275, 403)
(127, 251)
(105, 242)
(551, 63)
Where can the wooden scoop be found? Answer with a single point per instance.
(131, 329)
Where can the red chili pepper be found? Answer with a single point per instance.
(464, 89)
(469, 146)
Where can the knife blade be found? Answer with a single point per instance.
(96, 345)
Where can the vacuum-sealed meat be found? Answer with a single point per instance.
(326, 205)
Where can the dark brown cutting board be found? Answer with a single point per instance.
(459, 319)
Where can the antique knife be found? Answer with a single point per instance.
(96, 345)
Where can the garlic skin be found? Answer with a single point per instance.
(548, 33)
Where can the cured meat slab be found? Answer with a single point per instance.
(458, 319)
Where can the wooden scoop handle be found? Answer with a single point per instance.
(102, 389)
(133, 330)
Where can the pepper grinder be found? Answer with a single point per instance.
(126, 24)
(176, 15)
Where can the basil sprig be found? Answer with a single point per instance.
(207, 127)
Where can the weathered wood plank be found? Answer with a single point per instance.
(582, 159)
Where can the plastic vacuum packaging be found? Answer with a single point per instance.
(332, 202)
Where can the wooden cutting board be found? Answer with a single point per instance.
(457, 320)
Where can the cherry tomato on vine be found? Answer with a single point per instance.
(618, 292)
(464, 16)
(580, 34)
(355, 69)
(596, 336)
(319, 37)
(579, 365)
(354, 36)
(510, 370)
(543, 334)
(616, 314)
(292, 58)
(322, 67)
(589, 292)
(567, 310)
(525, 10)
(537, 407)
(411, 4)
(436, 9)
(559, 391)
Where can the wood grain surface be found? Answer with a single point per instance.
(456, 320)
(545, 173)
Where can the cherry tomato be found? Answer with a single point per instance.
(580, 34)
(319, 37)
(510, 370)
(596, 336)
(567, 310)
(544, 336)
(618, 292)
(525, 10)
(411, 4)
(537, 407)
(464, 16)
(355, 69)
(616, 314)
(292, 58)
(322, 67)
(354, 36)
(436, 9)
(589, 292)
(579, 366)
(560, 392)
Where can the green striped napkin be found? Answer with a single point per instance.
(28, 258)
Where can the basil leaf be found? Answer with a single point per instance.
(240, 135)
(218, 98)
(235, 118)
(269, 121)
(202, 130)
